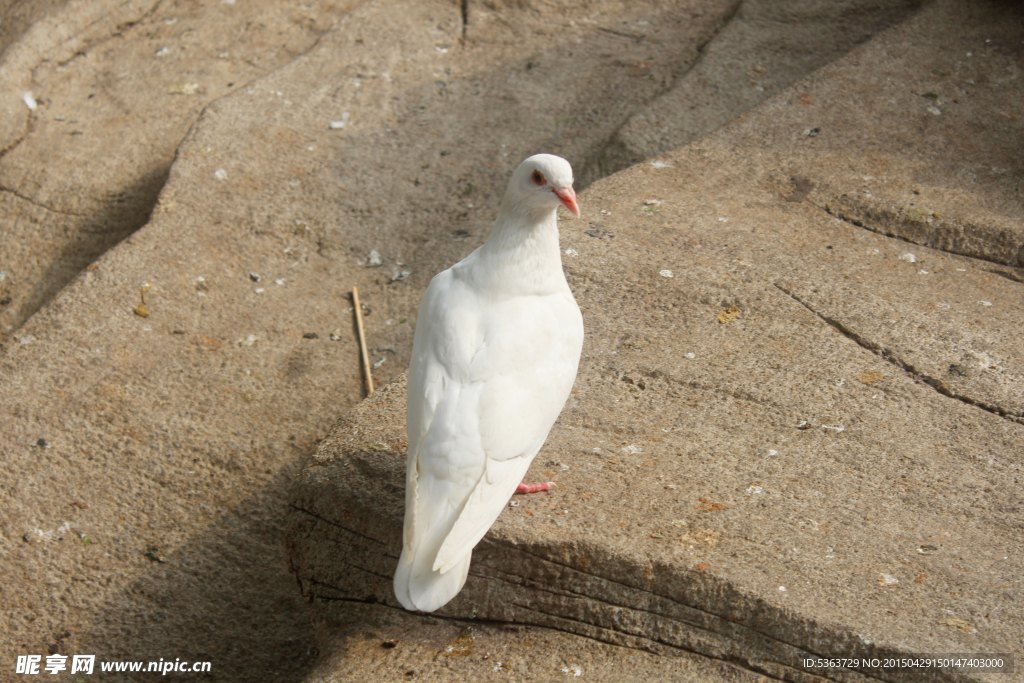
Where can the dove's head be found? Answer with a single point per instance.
(541, 183)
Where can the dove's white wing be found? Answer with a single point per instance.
(487, 382)
(530, 355)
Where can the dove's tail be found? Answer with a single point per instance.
(419, 587)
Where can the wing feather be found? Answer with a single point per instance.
(489, 496)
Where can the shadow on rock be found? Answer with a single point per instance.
(224, 597)
(84, 238)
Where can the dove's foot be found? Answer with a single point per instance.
(534, 488)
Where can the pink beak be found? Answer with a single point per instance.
(568, 197)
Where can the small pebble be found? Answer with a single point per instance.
(340, 123)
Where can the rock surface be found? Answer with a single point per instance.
(753, 57)
(116, 87)
(148, 461)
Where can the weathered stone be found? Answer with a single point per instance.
(833, 468)
(148, 460)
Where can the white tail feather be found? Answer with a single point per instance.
(419, 587)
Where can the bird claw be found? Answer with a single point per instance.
(534, 488)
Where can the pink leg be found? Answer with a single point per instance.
(534, 488)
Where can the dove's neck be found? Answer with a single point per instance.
(522, 256)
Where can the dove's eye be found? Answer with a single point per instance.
(538, 177)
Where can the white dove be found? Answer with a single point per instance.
(497, 345)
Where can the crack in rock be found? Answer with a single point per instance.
(993, 244)
(44, 207)
(21, 137)
(891, 357)
(1008, 274)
